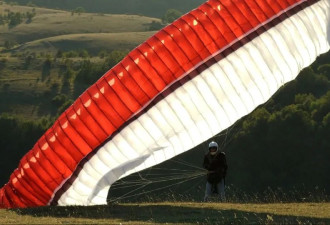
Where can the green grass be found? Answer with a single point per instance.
(173, 213)
(23, 9)
(93, 43)
(43, 26)
(51, 23)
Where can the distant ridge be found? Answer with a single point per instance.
(154, 8)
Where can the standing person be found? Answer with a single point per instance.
(216, 165)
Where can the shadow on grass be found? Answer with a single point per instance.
(168, 214)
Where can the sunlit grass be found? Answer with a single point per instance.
(174, 213)
(238, 209)
(52, 23)
(93, 43)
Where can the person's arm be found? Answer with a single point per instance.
(206, 163)
(225, 164)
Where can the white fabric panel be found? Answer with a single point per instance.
(209, 103)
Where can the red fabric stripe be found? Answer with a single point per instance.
(131, 84)
(50, 173)
(72, 133)
(67, 157)
(63, 140)
(140, 77)
(23, 193)
(5, 200)
(55, 160)
(14, 198)
(38, 173)
(119, 107)
(107, 108)
(187, 48)
(29, 190)
(39, 188)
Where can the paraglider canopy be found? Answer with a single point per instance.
(191, 80)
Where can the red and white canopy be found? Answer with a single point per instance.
(188, 82)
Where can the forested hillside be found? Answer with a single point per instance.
(284, 144)
(154, 8)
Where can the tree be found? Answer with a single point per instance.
(8, 44)
(79, 10)
(70, 54)
(3, 62)
(59, 100)
(46, 68)
(17, 136)
(89, 72)
(59, 54)
(154, 25)
(2, 20)
(83, 53)
(65, 105)
(325, 70)
(114, 58)
(15, 19)
(171, 15)
(102, 54)
(321, 107)
(28, 59)
(29, 16)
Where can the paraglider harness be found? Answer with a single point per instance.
(214, 189)
(217, 166)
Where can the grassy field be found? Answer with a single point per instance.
(93, 43)
(51, 23)
(174, 213)
(45, 25)
(23, 9)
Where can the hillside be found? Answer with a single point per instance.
(93, 43)
(51, 23)
(25, 87)
(153, 8)
(23, 9)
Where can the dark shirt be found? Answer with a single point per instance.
(216, 165)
